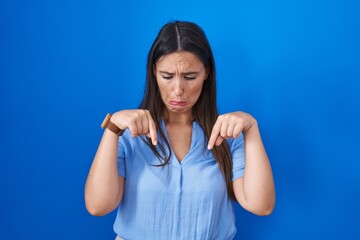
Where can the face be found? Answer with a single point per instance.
(180, 77)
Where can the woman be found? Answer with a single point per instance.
(178, 164)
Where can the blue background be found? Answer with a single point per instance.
(294, 65)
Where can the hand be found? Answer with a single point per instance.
(139, 122)
(230, 125)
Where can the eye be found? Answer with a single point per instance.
(189, 77)
(167, 77)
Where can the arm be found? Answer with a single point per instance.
(104, 187)
(255, 191)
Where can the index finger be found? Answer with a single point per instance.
(214, 134)
(152, 129)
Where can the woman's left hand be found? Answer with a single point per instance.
(230, 125)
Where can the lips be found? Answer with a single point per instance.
(178, 103)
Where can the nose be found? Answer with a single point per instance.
(178, 88)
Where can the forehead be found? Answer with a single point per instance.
(183, 60)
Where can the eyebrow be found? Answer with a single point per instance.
(185, 73)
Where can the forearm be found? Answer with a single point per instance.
(103, 190)
(258, 182)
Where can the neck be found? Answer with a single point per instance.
(178, 118)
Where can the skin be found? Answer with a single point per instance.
(180, 77)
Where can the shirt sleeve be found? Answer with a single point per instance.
(121, 159)
(238, 157)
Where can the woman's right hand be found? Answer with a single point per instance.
(138, 121)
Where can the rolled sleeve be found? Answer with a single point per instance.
(238, 157)
(121, 159)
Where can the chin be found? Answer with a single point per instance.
(179, 110)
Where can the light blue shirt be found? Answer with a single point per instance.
(185, 200)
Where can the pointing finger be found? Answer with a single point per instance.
(214, 134)
(152, 130)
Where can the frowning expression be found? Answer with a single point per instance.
(180, 77)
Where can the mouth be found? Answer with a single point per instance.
(178, 103)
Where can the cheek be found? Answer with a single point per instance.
(200, 86)
(163, 89)
(196, 91)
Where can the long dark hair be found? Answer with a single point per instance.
(186, 36)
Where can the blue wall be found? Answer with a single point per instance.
(294, 65)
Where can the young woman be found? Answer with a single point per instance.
(173, 166)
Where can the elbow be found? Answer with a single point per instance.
(100, 207)
(96, 211)
(262, 210)
(267, 207)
